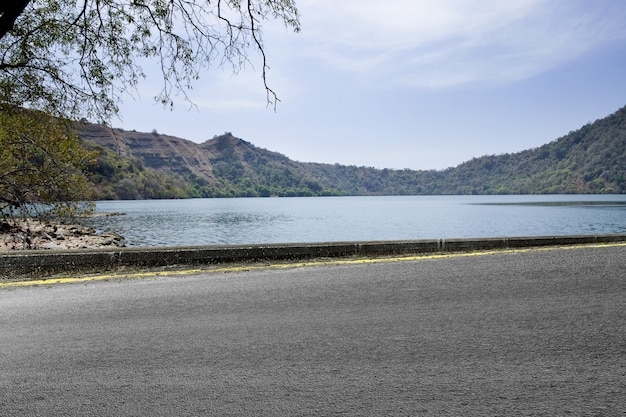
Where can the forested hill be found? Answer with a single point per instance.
(135, 165)
(591, 159)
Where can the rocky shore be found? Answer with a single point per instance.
(31, 234)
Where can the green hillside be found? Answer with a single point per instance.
(589, 160)
(135, 165)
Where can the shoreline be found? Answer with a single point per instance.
(25, 235)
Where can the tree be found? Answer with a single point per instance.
(77, 58)
(42, 164)
(9, 11)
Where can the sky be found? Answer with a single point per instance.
(416, 84)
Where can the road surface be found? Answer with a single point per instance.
(539, 332)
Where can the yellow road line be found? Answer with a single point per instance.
(245, 268)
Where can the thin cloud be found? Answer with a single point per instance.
(453, 42)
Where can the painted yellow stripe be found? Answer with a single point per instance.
(245, 268)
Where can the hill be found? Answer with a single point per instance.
(591, 159)
(135, 165)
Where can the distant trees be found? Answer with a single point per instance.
(592, 160)
(124, 178)
(251, 173)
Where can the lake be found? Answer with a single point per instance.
(334, 219)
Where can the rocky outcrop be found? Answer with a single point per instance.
(25, 234)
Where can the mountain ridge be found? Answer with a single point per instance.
(137, 165)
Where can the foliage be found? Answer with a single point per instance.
(118, 178)
(589, 160)
(247, 171)
(42, 165)
(131, 177)
(77, 58)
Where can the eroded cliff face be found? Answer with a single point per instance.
(155, 151)
(136, 165)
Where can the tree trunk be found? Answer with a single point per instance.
(10, 10)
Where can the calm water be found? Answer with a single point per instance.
(325, 219)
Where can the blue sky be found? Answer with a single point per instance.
(416, 84)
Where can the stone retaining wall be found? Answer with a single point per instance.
(37, 264)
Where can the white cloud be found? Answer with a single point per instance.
(445, 43)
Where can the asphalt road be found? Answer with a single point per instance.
(527, 333)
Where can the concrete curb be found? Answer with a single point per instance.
(45, 263)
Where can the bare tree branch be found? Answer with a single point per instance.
(79, 58)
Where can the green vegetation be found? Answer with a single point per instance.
(77, 59)
(247, 172)
(43, 165)
(589, 160)
(117, 178)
